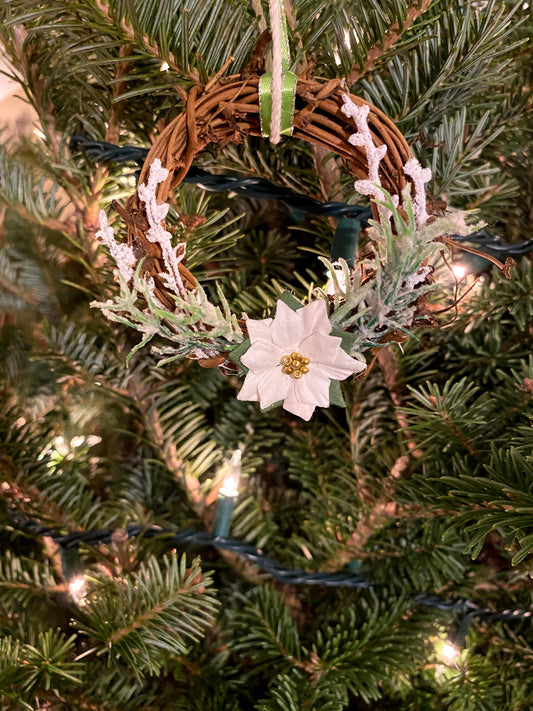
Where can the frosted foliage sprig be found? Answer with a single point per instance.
(373, 308)
(218, 331)
(196, 328)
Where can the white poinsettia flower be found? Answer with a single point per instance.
(293, 358)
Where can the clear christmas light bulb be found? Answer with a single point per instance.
(459, 271)
(450, 653)
(77, 589)
(230, 485)
(227, 496)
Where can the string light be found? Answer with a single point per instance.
(228, 495)
(346, 578)
(459, 271)
(77, 589)
(450, 654)
(60, 446)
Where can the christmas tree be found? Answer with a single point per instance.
(168, 542)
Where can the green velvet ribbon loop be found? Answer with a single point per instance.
(288, 90)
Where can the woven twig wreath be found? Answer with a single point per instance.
(377, 155)
(228, 113)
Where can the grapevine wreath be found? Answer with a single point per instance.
(297, 357)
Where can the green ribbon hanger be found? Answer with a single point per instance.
(288, 90)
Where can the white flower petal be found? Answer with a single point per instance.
(249, 388)
(272, 387)
(259, 330)
(261, 356)
(292, 404)
(342, 365)
(313, 388)
(315, 317)
(288, 329)
(319, 347)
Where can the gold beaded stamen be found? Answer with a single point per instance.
(295, 365)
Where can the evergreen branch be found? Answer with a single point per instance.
(390, 367)
(500, 500)
(443, 70)
(83, 356)
(34, 200)
(45, 669)
(158, 610)
(22, 277)
(134, 38)
(38, 476)
(187, 36)
(450, 414)
(394, 33)
(265, 631)
(22, 580)
(359, 657)
(151, 408)
(421, 554)
(321, 465)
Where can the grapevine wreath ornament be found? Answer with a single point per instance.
(297, 357)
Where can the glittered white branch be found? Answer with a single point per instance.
(120, 251)
(374, 154)
(420, 176)
(363, 138)
(156, 213)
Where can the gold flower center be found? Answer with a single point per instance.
(295, 365)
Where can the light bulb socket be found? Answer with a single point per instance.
(224, 513)
(71, 562)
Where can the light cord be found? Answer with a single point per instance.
(261, 189)
(341, 579)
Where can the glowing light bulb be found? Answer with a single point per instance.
(230, 485)
(450, 653)
(459, 271)
(228, 495)
(77, 589)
